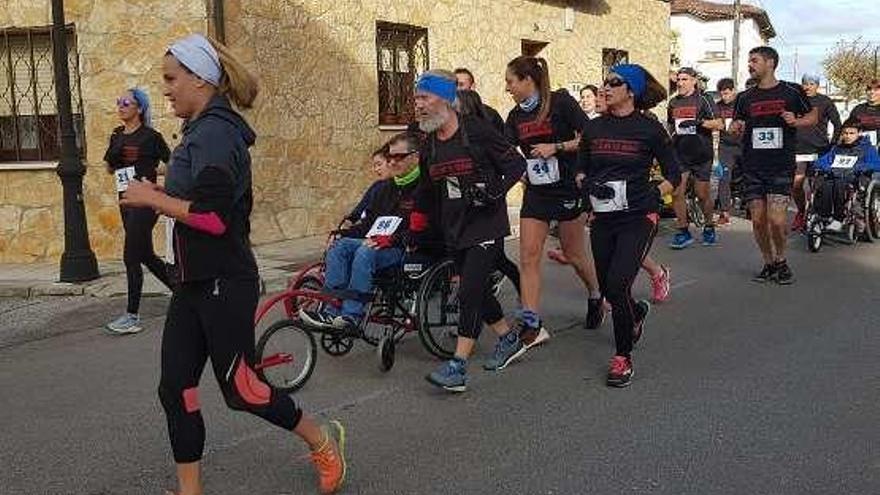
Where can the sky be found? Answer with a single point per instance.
(812, 27)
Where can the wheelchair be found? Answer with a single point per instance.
(861, 214)
(419, 295)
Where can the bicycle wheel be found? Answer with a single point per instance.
(695, 212)
(437, 305)
(287, 356)
(873, 210)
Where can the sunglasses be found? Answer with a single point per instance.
(125, 102)
(400, 156)
(613, 82)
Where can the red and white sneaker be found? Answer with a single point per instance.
(620, 372)
(799, 223)
(660, 286)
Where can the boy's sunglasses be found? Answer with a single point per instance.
(400, 156)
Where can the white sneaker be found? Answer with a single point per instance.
(835, 225)
(125, 324)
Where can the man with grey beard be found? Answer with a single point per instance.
(467, 169)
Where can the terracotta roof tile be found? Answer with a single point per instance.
(712, 11)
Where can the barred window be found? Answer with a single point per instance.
(612, 57)
(401, 56)
(29, 126)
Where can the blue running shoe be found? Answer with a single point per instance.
(682, 239)
(710, 238)
(506, 350)
(451, 376)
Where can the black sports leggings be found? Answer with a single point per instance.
(508, 268)
(477, 303)
(830, 197)
(138, 224)
(214, 319)
(619, 246)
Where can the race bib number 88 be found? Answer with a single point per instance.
(384, 226)
(767, 138)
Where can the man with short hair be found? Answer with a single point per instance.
(812, 142)
(768, 116)
(692, 118)
(465, 80)
(729, 147)
(868, 113)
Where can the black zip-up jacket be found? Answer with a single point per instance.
(211, 168)
(624, 149)
(814, 139)
(388, 200)
(451, 172)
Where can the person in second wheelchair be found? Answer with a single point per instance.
(848, 164)
(374, 243)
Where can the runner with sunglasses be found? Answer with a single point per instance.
(617, 153)
(545, 126)
(134, 152)
(211, 315)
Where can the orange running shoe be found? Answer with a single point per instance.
(329, 459)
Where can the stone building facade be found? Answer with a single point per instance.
(326, 69)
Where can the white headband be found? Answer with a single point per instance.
(196, 54)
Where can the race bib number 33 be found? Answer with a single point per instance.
(767, 138)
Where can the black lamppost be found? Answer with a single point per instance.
(78, 262)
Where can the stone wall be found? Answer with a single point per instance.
(121, 44)
(317, 116)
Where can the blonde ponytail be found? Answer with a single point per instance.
(237, 82)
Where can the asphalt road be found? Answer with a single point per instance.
(739, 389)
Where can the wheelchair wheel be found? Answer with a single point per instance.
(873, 210)
(814, 234)
(437, 306)
(385, 352)
(287, 355)
(335, 344)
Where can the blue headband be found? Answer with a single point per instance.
(143, 102)
(634, 77)
(437, 85)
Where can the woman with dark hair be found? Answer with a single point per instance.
(209, 193)
(617, 152)
(545, 126)
(134, 152)
(470, 103)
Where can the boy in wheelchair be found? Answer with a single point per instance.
(845, 170)
(373, 243)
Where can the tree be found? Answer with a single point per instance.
(850, 66)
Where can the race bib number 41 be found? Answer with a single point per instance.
(384, 226)
(123, 177)
(543, 171)
(767, 138)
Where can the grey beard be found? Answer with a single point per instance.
(432, 123)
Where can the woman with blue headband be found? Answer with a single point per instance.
(617, 152)
(545, 125)
(134, 153)
(209, 193)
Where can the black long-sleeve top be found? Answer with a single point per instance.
(452, 168)
(623, 149)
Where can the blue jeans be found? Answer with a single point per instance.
(350, 266)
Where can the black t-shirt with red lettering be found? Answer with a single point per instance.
(452, 169)
(143, 149)
(868, 117)
(727, 140)
(769, 143)
(623, 150)
(693, 142)
(565, 119)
